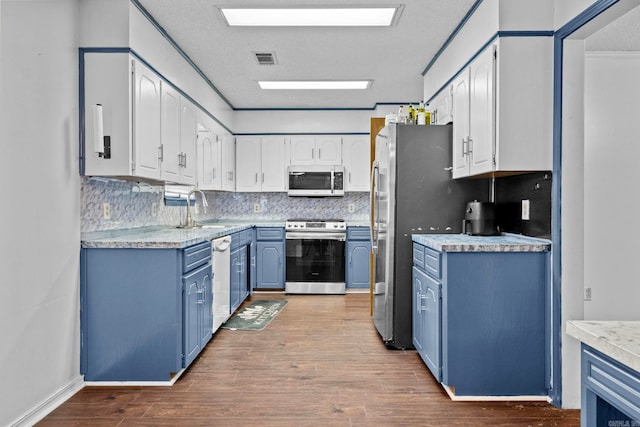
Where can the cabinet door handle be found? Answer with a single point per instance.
(319, 154)
(470, 145)
(465, 147)
(161, 152)
(184, 162)
(213, 174)
(256, 178)
(263, 177)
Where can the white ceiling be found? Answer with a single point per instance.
(392, 57)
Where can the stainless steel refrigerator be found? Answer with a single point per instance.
(411, 193)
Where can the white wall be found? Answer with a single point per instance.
(611, 153)
(572, 221)
(302, 121)
(40, 219)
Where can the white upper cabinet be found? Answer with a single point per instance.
(209, 161)
(260, 165)
(188, 136)
(273, 163)
(178, 137)
(441, 107)
(315, 150)
(460, 130)
(122, 98)
(170, 134)
(228, 166)
(502, 120)
(150, 125)
(357, 161)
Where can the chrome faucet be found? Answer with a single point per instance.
(189, 222)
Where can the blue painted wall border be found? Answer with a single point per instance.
(493, 38)
(177, 47)
(299, 133)
(452, 36)
(556, 190)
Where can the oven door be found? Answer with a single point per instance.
(315, 263)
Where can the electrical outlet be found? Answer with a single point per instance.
(351, 208)
(154, 209)
(106, 210)
(587, 294)
(525, 210)
(256, 207)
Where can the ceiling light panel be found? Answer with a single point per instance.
(311, 17)
(315, 85)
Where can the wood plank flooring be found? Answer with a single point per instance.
(319, 363)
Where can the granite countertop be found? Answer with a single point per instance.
(157, 237)
(465, 243)
(620, 340)
(170, 236)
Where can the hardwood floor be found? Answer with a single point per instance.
(319, 363)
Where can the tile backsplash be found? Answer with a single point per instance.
(133, 204)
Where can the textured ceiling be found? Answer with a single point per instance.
(393, 57)
(623, 34)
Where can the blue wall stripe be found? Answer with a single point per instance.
(182, 53)
(452, 36)
(556, 190)
(499, 34)
(300, 133)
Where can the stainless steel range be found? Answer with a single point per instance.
(315, 256)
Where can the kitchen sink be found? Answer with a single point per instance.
(202, 226)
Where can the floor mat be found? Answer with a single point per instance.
(255, 316)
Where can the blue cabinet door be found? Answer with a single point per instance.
(270, 265)
(427, 321)
(244, 284)
(196, 312)
(235, 279)
(358, 255)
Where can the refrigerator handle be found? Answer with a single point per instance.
(375, 170)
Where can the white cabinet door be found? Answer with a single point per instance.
(460, 128)
(273, 164)
(441, 107)
(329, 150)
(188, 136)
(170, 133)
(248, 164)
(303, 150)
(482, 107)
(474, 122)
(146, 122)
(357, 160)
(228, 163)
(209, 173)
(315, 150)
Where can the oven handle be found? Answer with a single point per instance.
(305, 235)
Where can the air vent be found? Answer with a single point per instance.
(265, 58)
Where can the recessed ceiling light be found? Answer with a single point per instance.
(315, 84)
(313, 17)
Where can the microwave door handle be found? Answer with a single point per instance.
(333, 179)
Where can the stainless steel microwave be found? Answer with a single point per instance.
(316, 181)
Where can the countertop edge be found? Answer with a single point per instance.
(584, 331)
(506, 242)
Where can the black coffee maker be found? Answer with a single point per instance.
(480, 219)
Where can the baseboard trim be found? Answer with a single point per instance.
(169, 383)
(454, 397)
(51, 403)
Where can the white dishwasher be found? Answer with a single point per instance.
(221, 257)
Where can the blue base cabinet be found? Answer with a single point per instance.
(610, 391)
(270, 258)
(145, 313)
(479, 320)
(358, 252)
(242, 266)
